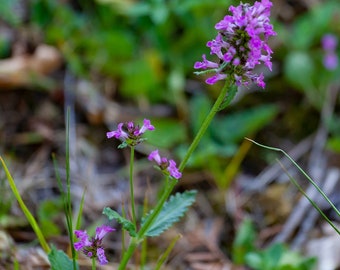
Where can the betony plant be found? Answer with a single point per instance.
(240, 46)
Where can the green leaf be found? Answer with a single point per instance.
(234, 127)
(299, 69)
(141, 78)
(302, 36)
(172, 211)
(48, 211)
(59, 260)
(127, 225)
(169, 133)
(334, 144)
(295, 261)
(199, 108)
(273, 255)
(244, 243)
(254, 260)
(8, 12)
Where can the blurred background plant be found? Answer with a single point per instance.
(120, 60)
(275, 257)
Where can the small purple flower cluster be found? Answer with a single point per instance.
(168, 167)
(92, 247)
(239, 45)
(131, 135)
(329, 43)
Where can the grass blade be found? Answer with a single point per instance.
(24, 208)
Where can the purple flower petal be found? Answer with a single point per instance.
(174, 172)
(215, 78)
(154, 155)
(330, 61)
(146, 126)
(205, 64)
(83, 240)
(101, 231)
(329, 42)
(118, 133)
(101, 256)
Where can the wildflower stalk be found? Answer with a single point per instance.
(240, 45)
(68, 201)
(171, 181)
(123, 231)
(93, 263)
(132, 197)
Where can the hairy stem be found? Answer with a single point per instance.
(132, 195)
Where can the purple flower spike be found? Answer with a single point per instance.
(329, 43)
(240, 45)
(93, 248)
(130, 133)
(168, 167)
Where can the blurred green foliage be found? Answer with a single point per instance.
(303, 54)
(48, 212)
(9, 12)
(148, 48)
(226, 131)
(137, 43)
(274, 257)
(303, 66)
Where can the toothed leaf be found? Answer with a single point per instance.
(127, 225)
(172, 211)
(59, 260)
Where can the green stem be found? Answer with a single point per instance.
(128, 253)
(94, 263)
(123, 231)
(132, 196)
(135, 241)
(68, 206)
(157, 209)
(205, 124)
